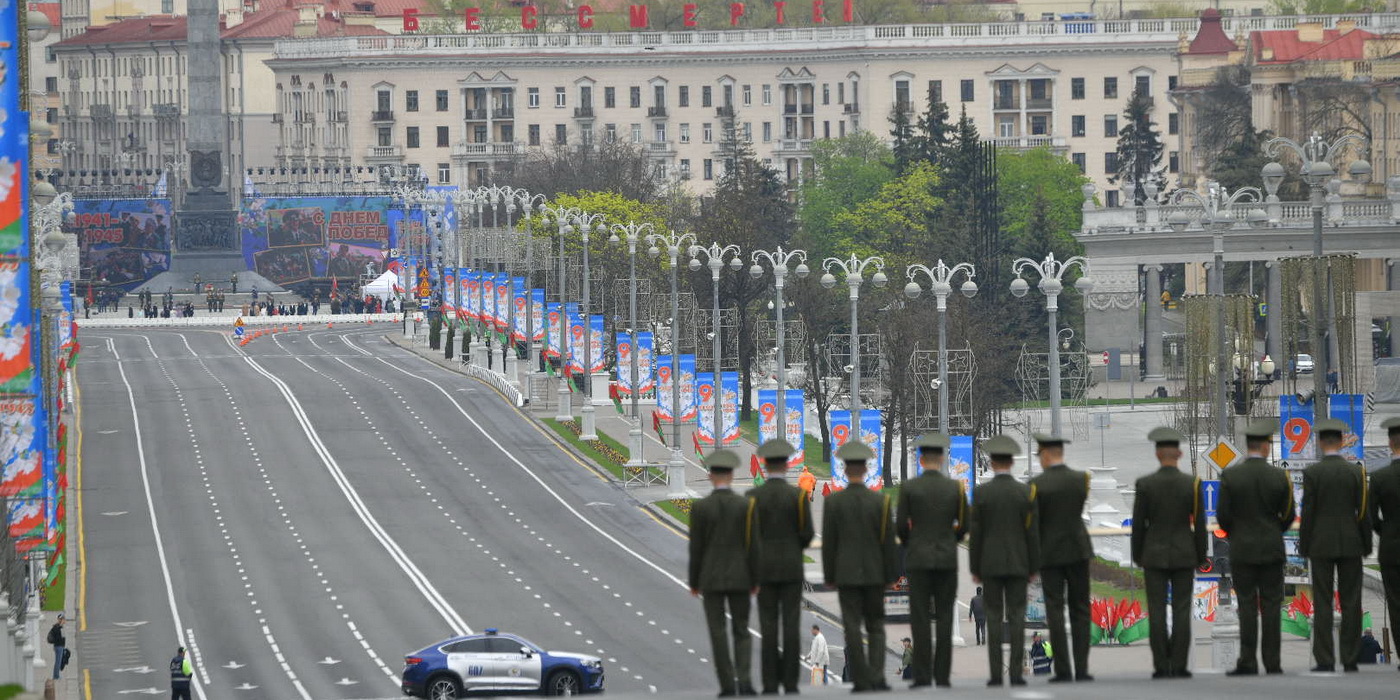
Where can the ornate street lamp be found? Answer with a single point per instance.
(853, 271)
(633, 232)
(1051, 272)
(940, 278)
(779, 260)
(715, 255)
(674, 243)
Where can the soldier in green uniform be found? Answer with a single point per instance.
(1385, 516)
(724, 530)
(1255, 509)
(858, 558)
(1065, 551)
(787, 530)
(930, 520)
(1334, 534)
(1004, 554)
(1169, 542)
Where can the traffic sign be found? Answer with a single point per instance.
(1221, 454)
(1210, 496)
(393, 252)
(238, 331)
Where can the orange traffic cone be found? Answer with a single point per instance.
(329, 324)
(298, 326)
(284, 329)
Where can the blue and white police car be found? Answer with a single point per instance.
(493, 663)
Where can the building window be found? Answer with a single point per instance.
(585, 96)
(707, 96)
(1076, 88)
(1110, 88)
(1006, 127)
(826, 93)
(826, 130)
(1076, 125)
(1110, 163)
(634, 96)
(609, 97)
(532, 97)
(935, 91)
(610, 132)
(767, 94)
(901, 96)
(1112, 198)
(660, 132)
(1171, 82)
(1040, 89)
(841, 93)
(585, 133)
(561, 134)
(1079, 160)
(968, 89)
(479, 133)
(442, 137)
(1110, 125)
(444, 173)
(636, 133)
(441, 100)
(707, 133)
(685, 133)
(685, 168)
(384, 101)
(410, 99)
(411, 138)
(1173, 162)
(841, 129)
(561, 98)
(385, 137)
(748, 132)
(1173, 123)
(709, 167)
(683, 96)
(767, 131)
(658, 96)
(1040, 125)
(1142, 84)
(748, 95)
(534, 134)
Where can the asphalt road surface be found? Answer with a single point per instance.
(303, 511)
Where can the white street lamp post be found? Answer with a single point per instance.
(562, 217)
(675, 469)
(940, 278)
(853, 271)
(632, 232)
(528, 204)
(714, 255)
(407, 194)
(1052, 272)
(779, 260)
(587, 223)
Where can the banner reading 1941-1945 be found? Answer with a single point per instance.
(124, 242)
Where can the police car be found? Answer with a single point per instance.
(495, 663)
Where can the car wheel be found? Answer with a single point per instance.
(443, 688)
(562, 683)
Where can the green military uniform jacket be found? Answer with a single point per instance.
(1255, 509)
(1060, 494)
(1335, 522)
(723, 537)
(787, 530)
(1169, 527)
(1385, 511)
(930, 520)
(858, 538)
(1005, 529)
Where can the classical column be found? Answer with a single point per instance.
(1152, 322)
(1273, 322)
(1393, 269)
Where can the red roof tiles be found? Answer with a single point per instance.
(1211, 38)
(274, 19)
(1284, 46)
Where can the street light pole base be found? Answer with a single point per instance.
(634, 445)
(1225, 635)
(675, 476)
(588, 431)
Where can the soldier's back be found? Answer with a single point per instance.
(786, 531)
(1060, 494)
(1333, 499)
(931, 519)
(1164, 505)
(858, 522)
(1255, 507)
(722, 523)
(1385, 500)
(1002, 514)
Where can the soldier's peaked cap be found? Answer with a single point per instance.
(1165, 435)
(775, 449)
(937, 441)
(855, 451)
(1047, 439)
(1262, 428)
(1391, 425)
(1330, 425)
(1001, 446)
(722, 461)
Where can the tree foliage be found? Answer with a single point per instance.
(1139, 148)
(848, 171)
(1324, 7)
(606, 166)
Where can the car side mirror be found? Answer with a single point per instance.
(525, 652)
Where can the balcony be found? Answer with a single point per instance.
(277, 118)
(103, 112)
(1040, 104)
(789, 109)
(384, 152)
(170, 110)
(1006, 102)
(503, 113)
(793, 146)
(337, 117)
(808, 108)
(476, 115)
(726, 112)
(854, 108)
(488, 150)
(660, 149)
(1054, 143)
(656, 112)
(382, 115)
(305, 118)
(583, 113)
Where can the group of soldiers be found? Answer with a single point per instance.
(741, 546)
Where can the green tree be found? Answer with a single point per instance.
(848, 171)
(1024, 178)
(933, 134)
(1139, 148)
(1324, 7)
(894, 222)
(603, 166)
(902, 138)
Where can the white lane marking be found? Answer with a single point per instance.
(246, 686)
(198, 658)
(420, 581)
(137, 623)
(346, 681)
(312, 337)
(187, 344)
(112, 346)
(148, 345)
(233, 665)
(328, 661)
(155, 525)
(355, 347)
(145, 691)
(135, 669)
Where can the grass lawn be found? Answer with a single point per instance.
(1099, 589)
(748, 430)
(53, 597)
(605, 451)
(678, 509)
(10, 691)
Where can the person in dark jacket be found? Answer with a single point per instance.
(723, 565)
(787, 530)
(60, 645)
(1065, 551)
(1371, 651)
(1004, 554)
(1334, 533)
(930, 520)
(1169, 542)
(1385, 517)
(1255, 509)
(977, 613)
(181, 672)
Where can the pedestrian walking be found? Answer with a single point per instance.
(858, 558)
(181, 673)
(819, 656)
(1385, 514)
(787, 530)
(1255, 509)
(1169, 542)
(1335, 533)
(906, 660)
(1041, 655)
(977, 613)
(1065, 551)
(60, 645)
(1004, 554)
(723, 563)
(1371, 651)
(930, 520)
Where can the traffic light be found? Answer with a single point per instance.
(1220, 551)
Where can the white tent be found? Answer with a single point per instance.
(384, 287)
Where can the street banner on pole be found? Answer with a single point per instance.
(1350, 409)
(502, 301)
(597, 360)
(768, 422)
(521, 300)
(705, 407)
(663, 389)
(625, 347)
(729, 404)
(449, 297)
(840, 432)
(1295, 429)
(488, 298)
(537, 309)
(554, 339)
(687, 381)
(576, 340)
(646, 373)
(472, 284)
(872, 432)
